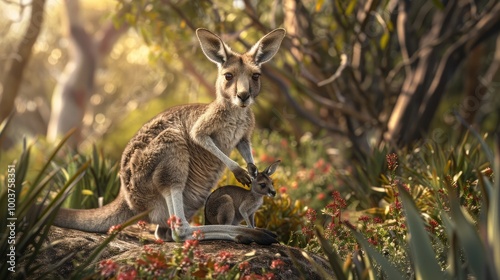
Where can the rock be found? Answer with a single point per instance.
(130, 245)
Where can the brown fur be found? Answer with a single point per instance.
(229, 205)
(174, 160)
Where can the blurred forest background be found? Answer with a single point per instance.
(355, 77)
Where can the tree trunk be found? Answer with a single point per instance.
(75, 86)
(10, 84)
(424, 86)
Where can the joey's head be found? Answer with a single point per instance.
(238, 79)
(262, 182)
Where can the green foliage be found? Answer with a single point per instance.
(430, 230)
(31, 206)
(282, 215)
(98, 187)
(29, 224)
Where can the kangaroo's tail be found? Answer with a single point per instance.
(95, 220)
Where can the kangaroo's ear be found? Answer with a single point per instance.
(213, 47)
(272, 168)
(267, 46)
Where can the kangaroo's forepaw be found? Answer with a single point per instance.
(242, 176)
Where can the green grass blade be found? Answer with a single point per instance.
(53, 155)
(300, 268)
(469, 238)
(320, 270)
(389, 269)
(331, 254)
(423, 256)
(5, 124)
(494, 214)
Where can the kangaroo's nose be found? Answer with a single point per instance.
(272, 193)
(243, 96)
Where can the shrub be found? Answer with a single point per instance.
(437, 201)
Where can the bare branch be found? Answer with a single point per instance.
(281, 83)
(343, 64)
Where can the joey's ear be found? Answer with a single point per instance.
(212, 46)
(252, 169)
(272, 168)
(267, 46)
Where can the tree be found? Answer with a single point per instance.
(11, 82)
(374, 72)
(71, 95)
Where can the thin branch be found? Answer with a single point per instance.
(342, 66)
(280, 82)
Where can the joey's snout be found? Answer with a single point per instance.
(271, 193)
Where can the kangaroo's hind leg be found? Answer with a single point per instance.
(225, 211)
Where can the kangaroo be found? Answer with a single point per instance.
(174, 160)
(229, 205)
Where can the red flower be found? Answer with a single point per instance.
(224, 256)
(190, 244)
(269, 276)
(277, 264)
(159, 241)
(219, 268)
(364, 219)
(142, 224)
(373, 241)
(107, 267)
(321, 196)
(311, 215)
(337, 205)
(129, 275)
(198, 234)
(392, 161)
(320, 163)
(174, 222)
(244, 266)
(114, 229)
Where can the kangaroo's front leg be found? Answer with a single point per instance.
(245, 149)
(206, 142)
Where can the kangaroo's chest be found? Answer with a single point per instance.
(228, 137)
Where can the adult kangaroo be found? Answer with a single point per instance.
(174, 160)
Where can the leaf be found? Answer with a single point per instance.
(494, 214)
(384, 40)
(350, 8)
(87, 192)
(319, 4)
(424, 257)
(474, 248)
(389, 269)
(331, 254)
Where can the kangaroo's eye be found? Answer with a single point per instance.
(228, 76)
(255, 76)
(262, 185)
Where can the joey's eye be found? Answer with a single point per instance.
(228, 76)
(255, 76)
(262, 185)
